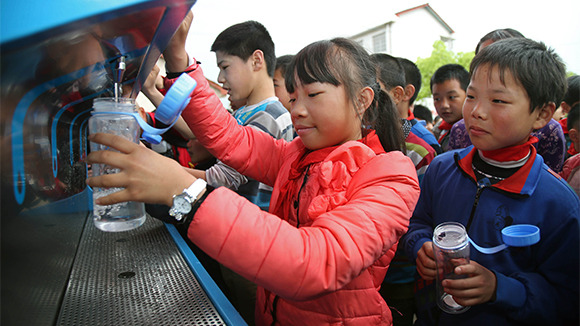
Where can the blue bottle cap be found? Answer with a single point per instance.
(520, 235)
(176, 99)
(151, 138)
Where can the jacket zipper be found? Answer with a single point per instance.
(297, 201)
(297, 207)
(274, 304)
(480, 188)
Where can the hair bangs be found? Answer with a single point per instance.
(311, 65)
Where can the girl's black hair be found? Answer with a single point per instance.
(341, 61)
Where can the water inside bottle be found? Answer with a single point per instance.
(122, 216)
(117, 217)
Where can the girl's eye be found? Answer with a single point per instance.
(499, 101)
(471, 97)
(314, 94)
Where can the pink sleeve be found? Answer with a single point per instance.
(303, 263)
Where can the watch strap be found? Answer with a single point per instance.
(195, 189)
(189, 217)
(190, 194)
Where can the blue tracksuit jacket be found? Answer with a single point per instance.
(536, 284)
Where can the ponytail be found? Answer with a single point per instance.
(382, 116)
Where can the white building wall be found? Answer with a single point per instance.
(409, 36)
(366, 40)
(414, 33)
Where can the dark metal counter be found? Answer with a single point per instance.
(141, 277)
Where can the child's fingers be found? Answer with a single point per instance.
(426, 266)
(465, 291)
(107, 181)
(478, 287)
(459, 261)
(114, 198)
(110, 158)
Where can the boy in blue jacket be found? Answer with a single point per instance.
(501, 181)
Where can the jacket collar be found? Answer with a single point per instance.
(523, 182)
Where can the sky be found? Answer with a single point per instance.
(295, 24)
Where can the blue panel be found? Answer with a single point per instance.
(56, 57)
(24, 18)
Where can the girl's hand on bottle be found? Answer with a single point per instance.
(426, 265)
(145, 175)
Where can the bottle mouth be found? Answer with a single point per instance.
(450, 235)
(123, 104)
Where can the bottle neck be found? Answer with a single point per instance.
(108, 104)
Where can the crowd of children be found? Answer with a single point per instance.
(355, 182)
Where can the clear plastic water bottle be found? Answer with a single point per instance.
(451, 249)
(106, 119)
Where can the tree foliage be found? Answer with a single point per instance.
(439, 56)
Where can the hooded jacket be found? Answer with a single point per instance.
(323, 262)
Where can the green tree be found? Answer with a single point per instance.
(439, 56)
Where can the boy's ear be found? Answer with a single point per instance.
(409, 91)
(574, 135)
(258, 60)
(399, 94)
(565, 107)
(545, 114)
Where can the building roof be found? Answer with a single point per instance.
(401, 13)
(431, 11)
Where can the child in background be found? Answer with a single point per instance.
(397, 287)
(279, 81)
(343, 191)
(412, 88)
(571, 98)
(391, 77)
(496, 35)
(572, 164)
(424, 115)
(246, 58)
(448, 85)
(497, 182)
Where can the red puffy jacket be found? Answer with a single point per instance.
(352, 211)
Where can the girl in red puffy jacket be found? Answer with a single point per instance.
(343, 191)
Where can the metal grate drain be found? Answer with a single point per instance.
(130, 278)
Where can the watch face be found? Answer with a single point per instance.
(181, 204)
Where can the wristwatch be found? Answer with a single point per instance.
(182, 203)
